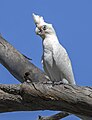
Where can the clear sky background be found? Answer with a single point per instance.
(72, 20)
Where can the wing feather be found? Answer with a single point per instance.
(63, 63)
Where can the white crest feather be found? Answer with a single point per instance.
(38, 19)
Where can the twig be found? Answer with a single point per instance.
(57, 116)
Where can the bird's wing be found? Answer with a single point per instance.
(63, 64)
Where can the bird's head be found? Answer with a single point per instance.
(43, 29)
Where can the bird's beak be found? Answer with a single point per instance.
(38, 30)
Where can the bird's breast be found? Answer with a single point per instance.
(47, 57)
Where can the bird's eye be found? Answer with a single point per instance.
(44, 27)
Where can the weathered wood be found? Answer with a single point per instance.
(19, 66)
(57, 116)
(38, 95)
(27, 97)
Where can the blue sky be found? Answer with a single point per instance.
(72, 20)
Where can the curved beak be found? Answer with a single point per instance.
(38, 30)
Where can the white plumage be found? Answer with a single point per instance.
(55, 60)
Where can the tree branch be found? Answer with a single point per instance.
(19, 66)
(25, 97)
(38, 95)
(57, 116)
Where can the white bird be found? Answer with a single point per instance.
(55, 60)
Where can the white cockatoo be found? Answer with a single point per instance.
(55, 60)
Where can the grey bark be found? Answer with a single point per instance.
(17, 64)
(27, 97)
(38, 94)
(57, 116)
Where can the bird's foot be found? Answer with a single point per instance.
(48, 82)
(53, 83)
(57, 83)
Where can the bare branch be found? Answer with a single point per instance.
(38, 95)
(18, 65)
(57, 116)
(26, 97)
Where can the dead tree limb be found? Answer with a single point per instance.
(17, 64)
(38, 95)
(57, 116)
(25, 97)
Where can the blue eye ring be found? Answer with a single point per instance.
(44, 27)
